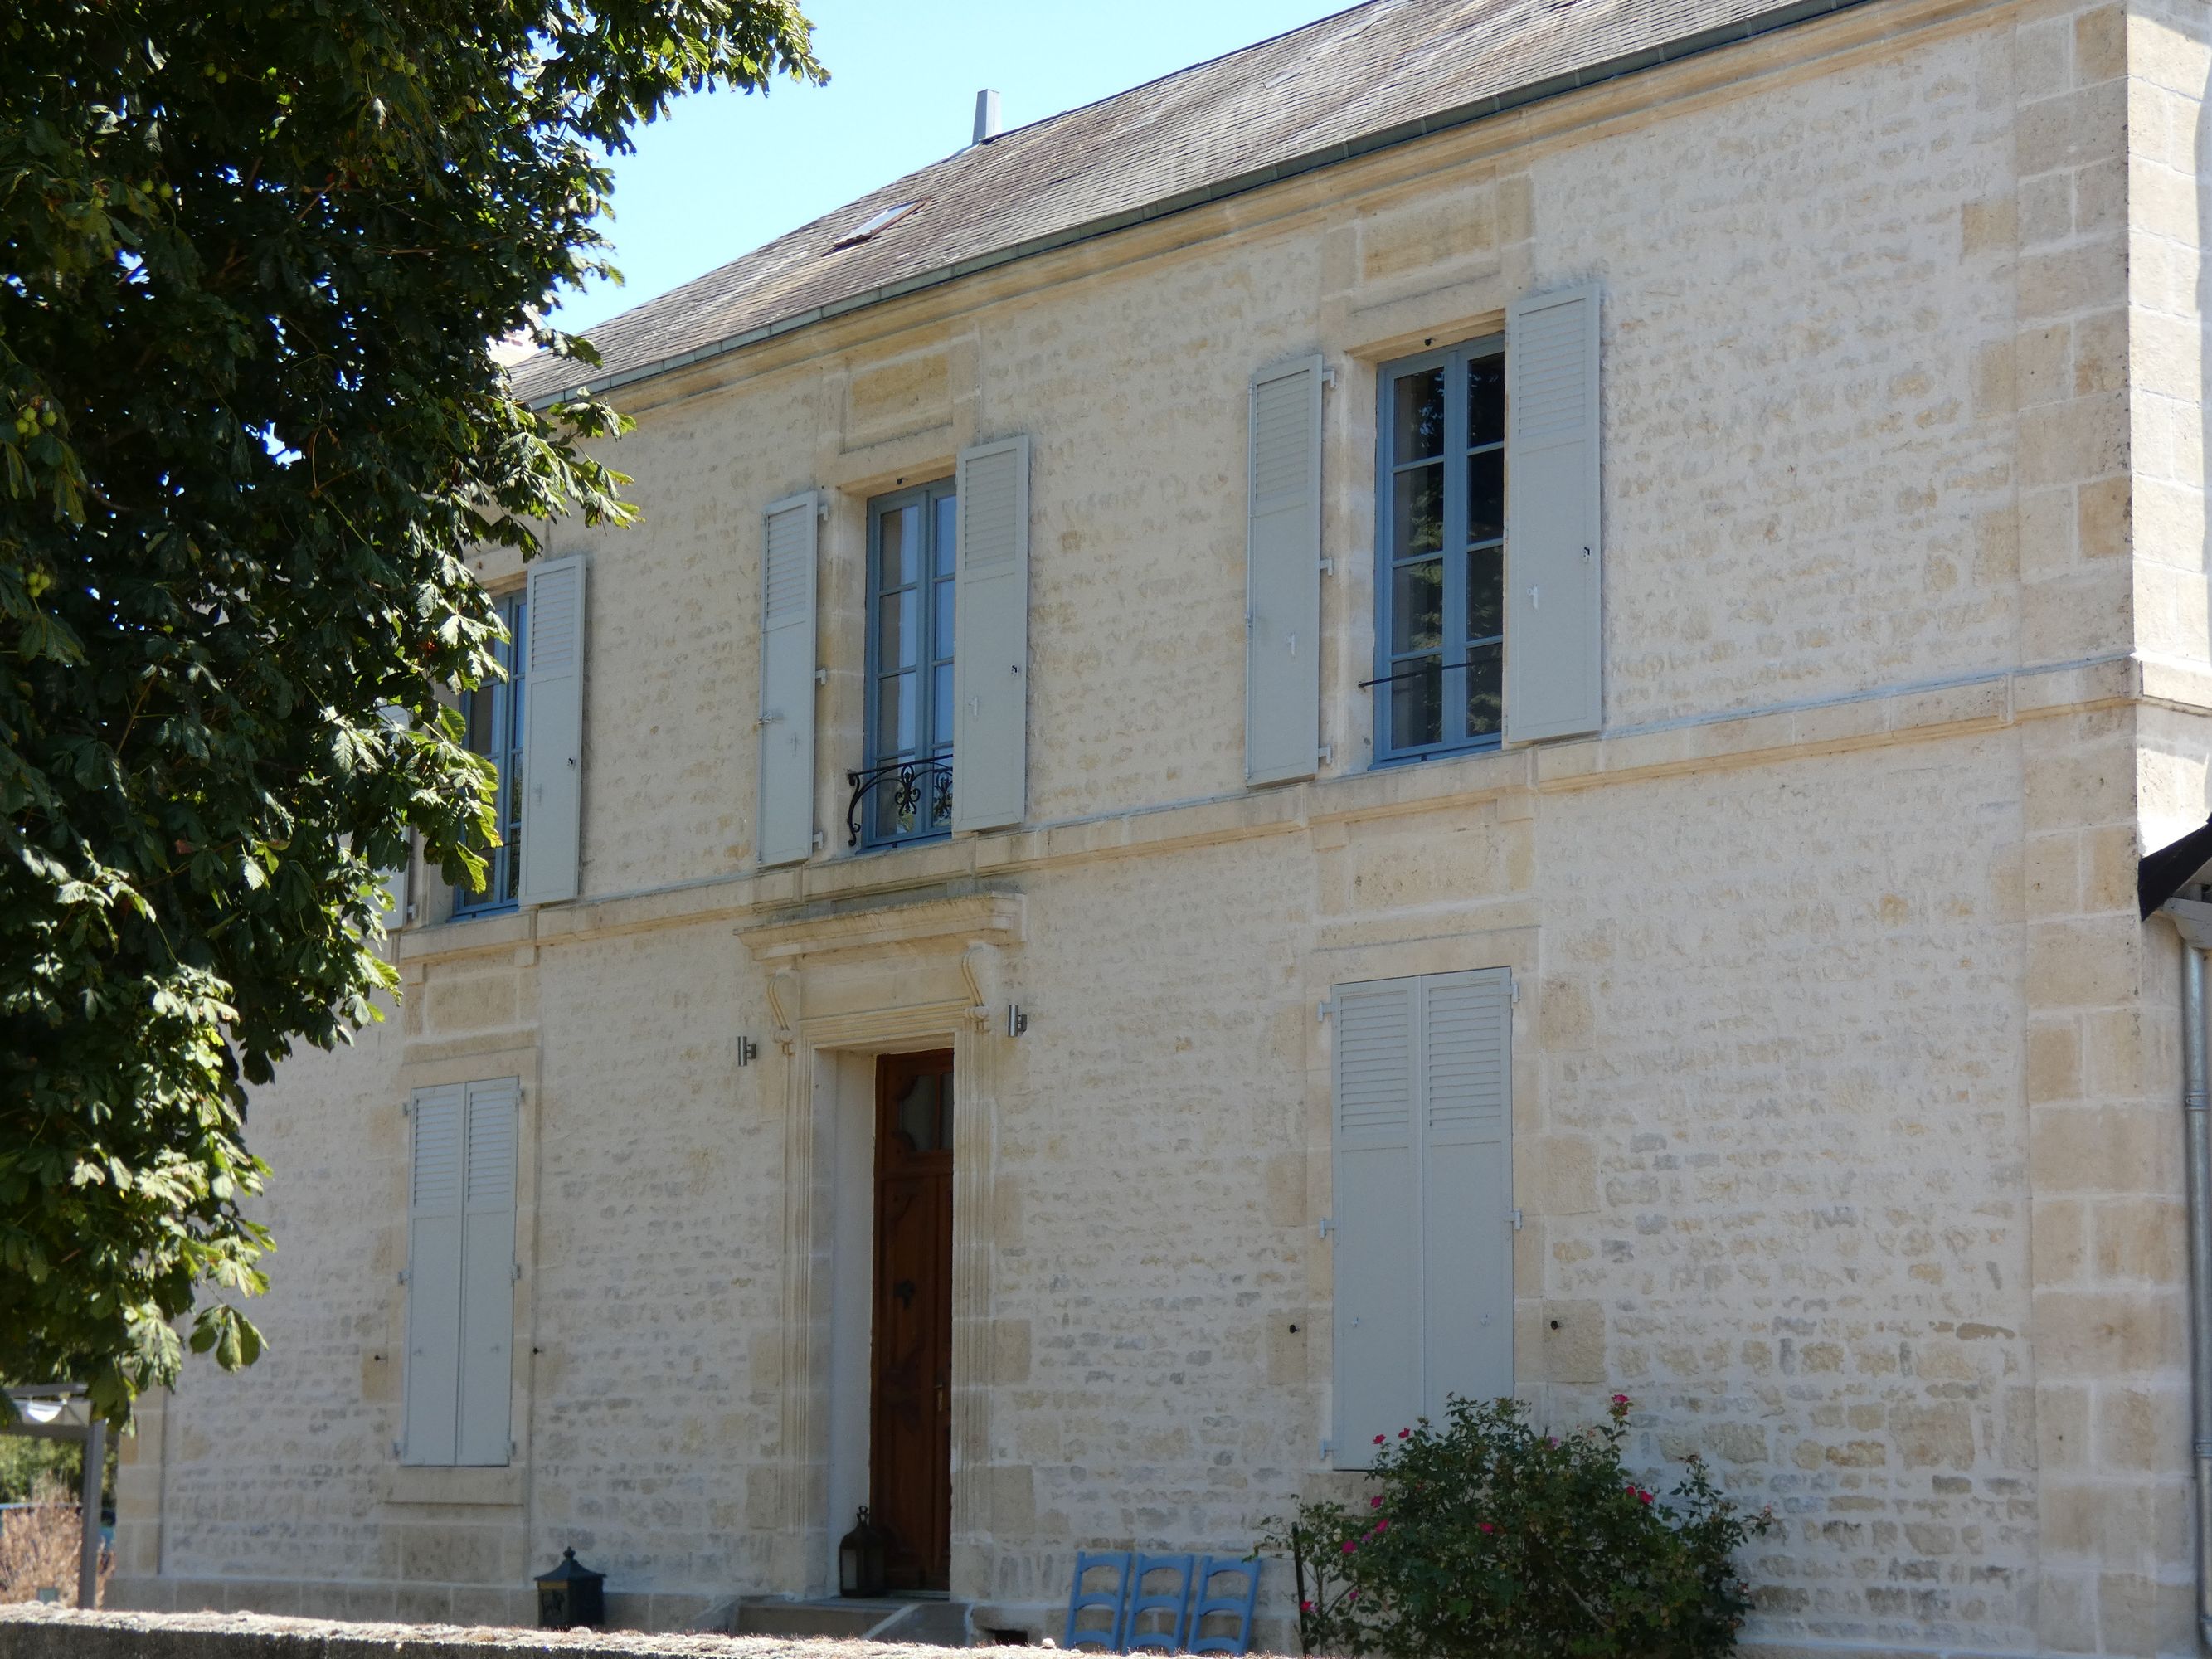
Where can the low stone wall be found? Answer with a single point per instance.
(36, 1631)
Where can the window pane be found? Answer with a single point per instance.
(947, 519)
(1485, 497)
(895, 715)
(1417, 705)
(1485, 401)
(1485, 592)
(1417, 606)
(1417, 424)
(1483, 668)
(898, 628)
(940, 705)
(1418, 514)
(941, 646)
(484, 736)
(902, 546)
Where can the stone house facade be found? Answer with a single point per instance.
(1816, 1080)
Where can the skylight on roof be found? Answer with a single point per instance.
(876, 223)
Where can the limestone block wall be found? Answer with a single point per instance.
(1843, 1071)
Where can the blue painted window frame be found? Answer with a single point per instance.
(493, 713)
(933, 628)
(1469, 653)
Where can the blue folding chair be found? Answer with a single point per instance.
(1172, 1605)
(1111, 1602)
(1236, 1606)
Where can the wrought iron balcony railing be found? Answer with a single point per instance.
(919, 794)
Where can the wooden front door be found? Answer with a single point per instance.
(910, 1442)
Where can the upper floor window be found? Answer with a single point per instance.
(906, 780)
(494, 713)
(1440, 615)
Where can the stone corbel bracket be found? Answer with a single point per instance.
(783, 992)
(979, 967)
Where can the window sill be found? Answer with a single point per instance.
(482, 1487)
(1457, 752)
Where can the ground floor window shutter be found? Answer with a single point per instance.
(461, 1273)
(553, 733)
(433, 1381)
(1423, 1202)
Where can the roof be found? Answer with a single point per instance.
(1362, 80)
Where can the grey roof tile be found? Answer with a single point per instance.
(1378, 73)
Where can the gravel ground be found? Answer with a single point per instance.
(35, 1630)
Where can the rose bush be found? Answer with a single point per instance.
(1485, 1537)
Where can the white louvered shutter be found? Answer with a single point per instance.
(991, 672)
(1377, 1210)
(1424, 1201)
(433, 1276)
(487, 1309)
(788, 556)
(1282, 575)
(1467, 1202)
(1554, 645)
(553, 733)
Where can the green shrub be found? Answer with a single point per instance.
(1486, 1538)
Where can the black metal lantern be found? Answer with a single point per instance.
(571, 1597)
(860, 1559)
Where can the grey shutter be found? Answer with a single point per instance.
(432, 1382)
(487, 1307)
(789, 557)
(553, 733)
(1467, 1201)
(991, 672)
(1376, 1213)
(1282, 575)
(1423, 1202)
(1554, 647)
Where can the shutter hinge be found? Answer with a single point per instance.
(1328, 1446)
(1517, 1218)
(1323, 1009)
(822, 509)
(1326, 753)
(1328, 374)
(399, 1449)
(1513, 986)
(1328, 567)
(821, 676)
(402, 1275)
(1327, 1226)
(407, 1107)
(820, 841)
(517, 1265)
(510, 1451)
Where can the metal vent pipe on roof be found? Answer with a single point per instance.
(987, 115)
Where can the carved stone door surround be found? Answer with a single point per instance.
(922, 973)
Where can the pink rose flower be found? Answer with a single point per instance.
(1487, 1527)
(1350, 1545)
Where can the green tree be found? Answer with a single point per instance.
(255, 253)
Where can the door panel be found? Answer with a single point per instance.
(910, 1441)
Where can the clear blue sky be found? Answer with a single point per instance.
(725, 172)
